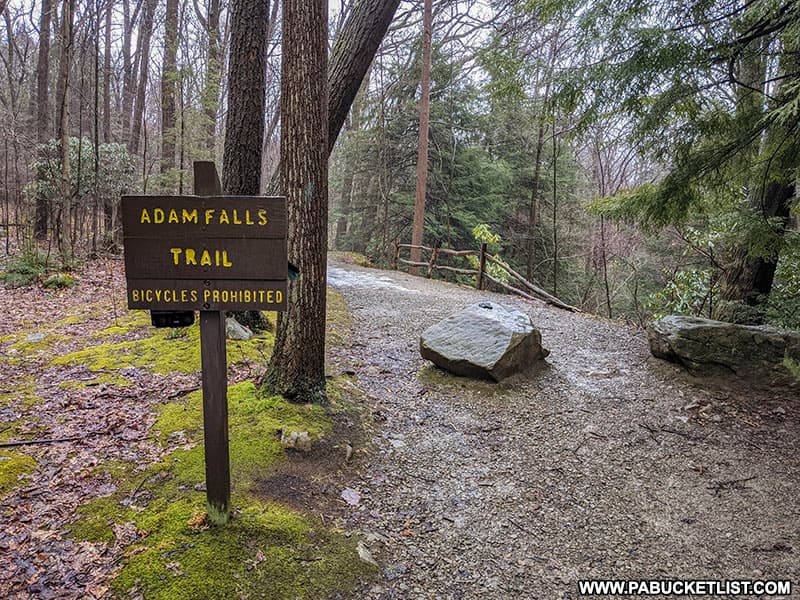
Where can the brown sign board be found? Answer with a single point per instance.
(205, 252)
(226, 294)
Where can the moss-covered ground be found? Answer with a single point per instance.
(266, 551)
(151, 516)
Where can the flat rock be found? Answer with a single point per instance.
(236, 331)
(707, 347)
(484, 341)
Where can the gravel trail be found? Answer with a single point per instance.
(600, 463)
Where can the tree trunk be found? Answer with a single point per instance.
(297, 368)
(65, 239)
(210, 94)
(107, 76)
(43, 109)
(418, 226)
(128, 64)
(168, 78)
(145, 33)
(352, 54)
(244, 126)
(748, 280)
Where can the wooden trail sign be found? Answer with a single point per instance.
(205, 252)
(210, 253)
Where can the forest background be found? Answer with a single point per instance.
(633, 158)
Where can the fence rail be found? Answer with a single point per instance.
(525, 288)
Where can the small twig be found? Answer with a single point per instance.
(182, 392)
(50, 440)
(520, 527)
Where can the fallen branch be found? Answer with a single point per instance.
(50, 440)
(547, 297)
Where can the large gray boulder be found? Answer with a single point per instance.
(707, 347)
(485, 340)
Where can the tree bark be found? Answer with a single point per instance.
(749, 279)
(210, 94)
(168, 77)
(65, 237)
(244, 126)
(297, 368)
(107, 138)
(43, 110)
(128, 64)
(352, 54)
(145, 34)
(418, 226)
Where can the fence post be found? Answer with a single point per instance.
(481, 267)
(396, 254)
(434, 256)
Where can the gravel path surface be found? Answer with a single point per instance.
(601, 462)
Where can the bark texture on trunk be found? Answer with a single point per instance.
(297, 369)
(418, 227)
(43, 110)
(352, 54)
(168, 77)
(145, 34)
(244, 127)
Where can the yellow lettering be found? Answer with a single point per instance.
(148, 295)
(215, 296)
(278, 296)
(145, 218)
(260, 295)
(135, 295)
(205, 258)
(190, 257)
(184, 295)
(189, 216)
(247, 219)
(193, 295)
(158, 295)
(225, 261)
(173, 216)
(209, 215)
(262, 216)
(236, 219)
(234, 296)
(223, 217)
(176, 252)
(158, 215)
(225, 295)
(246, 295)
(206, 295)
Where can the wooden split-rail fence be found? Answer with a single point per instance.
(525, 288)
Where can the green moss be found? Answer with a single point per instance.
(255, 422)
(59, 281)
(163, 352)
(266, 551)
(13, 465)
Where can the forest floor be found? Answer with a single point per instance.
(601, 463)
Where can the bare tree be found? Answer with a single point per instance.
(424, 117)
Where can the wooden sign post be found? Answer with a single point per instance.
(209, 253)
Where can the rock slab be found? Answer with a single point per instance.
(707, 347)
(484, 341)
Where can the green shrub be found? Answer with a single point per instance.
(25, 269)
(59, 281)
